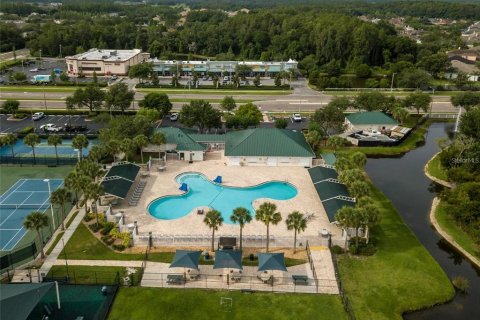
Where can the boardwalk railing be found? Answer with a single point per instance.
(312, 264)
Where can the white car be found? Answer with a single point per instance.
(297, 117)
(37, 116)
(174, 116)
(33, 70)
(50, 127)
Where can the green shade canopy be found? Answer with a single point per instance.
(119, 179)
(18, 300)
(327, 190)
(231, 259)
(322, 173)
(186, 259)
(333, 205)
(271, 261)
(329, 158)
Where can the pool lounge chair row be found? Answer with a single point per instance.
(137, 193)
(206, 237)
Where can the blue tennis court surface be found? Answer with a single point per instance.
(25, 196)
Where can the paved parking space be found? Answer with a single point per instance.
(58, 120)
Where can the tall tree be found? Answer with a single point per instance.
(119, 97)
(298, 222)
(91, 97)
(37, 221)
(55, 140)
(358, 189)
(241, 216)
(267, 213)
(61, 197)
(80, 142)
(141, 141)
(330, 119)
(128, 146)
(228, 103)
(336, 142)
(32, 139)
(418, 101)
(213, 219)
(200, 114)
(141, 71)
(158, 101)
(248, 115)
(158, 139)
(11, 106)
(344, 217)
(74, 182)
(11, 140)
(400, 114)
(466, 99)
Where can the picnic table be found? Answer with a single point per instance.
(300, 279)
(175, 279)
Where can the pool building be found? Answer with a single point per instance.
(250, 147)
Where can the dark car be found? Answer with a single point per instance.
(75, 128)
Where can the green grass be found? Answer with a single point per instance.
(158, 303)
(211, 100)
(395, 93)
(91, 274)
(39, 88)
(436, 169)
(69, 222)
(402, 276)
(216, 91)
(450, 226)
(10, 174)
(57, 238)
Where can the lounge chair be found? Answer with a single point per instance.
(175, 279)
(300, 280)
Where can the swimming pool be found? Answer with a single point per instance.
(203, 192)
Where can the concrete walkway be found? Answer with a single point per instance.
(52, 257)
(100, 263)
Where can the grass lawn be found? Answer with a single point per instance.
(216, 91)
(91, 275)
(449, 225)
(39, 88)
(436, 169)
(158, 303)
(387, 92)
(55, 241)
(84, 246)
(10, 174)
(402, 275)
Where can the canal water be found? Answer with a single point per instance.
(403, 181)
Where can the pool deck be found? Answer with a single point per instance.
(192, 225)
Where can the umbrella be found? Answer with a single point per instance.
(271, 261)
(231, 259)
(186, 259)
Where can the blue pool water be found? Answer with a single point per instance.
(64, 150)
(203, 192)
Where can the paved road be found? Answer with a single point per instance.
(302, 99)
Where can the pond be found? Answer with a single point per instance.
(403, 181)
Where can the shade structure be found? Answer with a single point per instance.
(231, 259)
(271, 261)
(18, 300)
(186, 259)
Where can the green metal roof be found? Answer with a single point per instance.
(182, 138)
(333, 205)
(374, 117)
(321, 173)
(327, 190)
(208, 137)
(121, 177)
(18, 300)
(329, 158)
(270, 142)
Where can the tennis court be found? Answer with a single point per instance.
(25, 196)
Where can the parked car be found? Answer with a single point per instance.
(33, 70)
(75, 128)
(37, 116)
(114, 77)
(297, 117)
(174, 116)
(50, 127)
(226, 78)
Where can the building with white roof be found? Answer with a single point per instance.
(104, 61)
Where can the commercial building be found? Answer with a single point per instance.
(222, 68)
(369, 121)
(104, 62)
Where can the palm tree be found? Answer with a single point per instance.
(344, 218)
(298, 222)
(80, 142)
(267, 214)
(314, 138)
(241, 216)
(141, 141)
(36, 221)
(358, 189)
(348, 177)
(127, 146)
(400, 114)
(54, 140)
(96, 153)
(86, 186)
(158, 139)
(32, 139)
(359, 159)
(93, 191)
(11, 140)
(370, 214)
(336, 142)
(343, 163)
(61, 197)
(213, 219)
(89, 169)
(74, 181)
(113, 147)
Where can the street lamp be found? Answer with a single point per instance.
(50, 197)
(66, 260)
(391, 84)
(78, 153)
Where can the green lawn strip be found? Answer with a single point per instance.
(39, 89)
(402, 276)
(450, 226)
(211, 100)
(436, 169)
(395, 93)
(57, 238)
(91, 274)
(217, 91)
(169, 303)
(69, 222)
(9, 175)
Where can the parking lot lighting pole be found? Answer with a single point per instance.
(50, 199)
(391, 85)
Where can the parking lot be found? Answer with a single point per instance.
(58, 120)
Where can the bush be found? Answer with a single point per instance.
(281, 123)
(118, 247)
(108, 240)
(363, 249)
(88, 217)
(107, 227)
(363, 71)
(95, 227)
(337, 249)
(25, 131)
(20, 115)
(461, 284)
